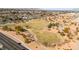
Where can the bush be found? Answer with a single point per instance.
(70, 36)
(26, 39)
(27, 26)
(50, 25)
(53, 24)
(19, 28)
(62, 33)
(66, 30)
(7, 28)
(77, 29)
(77, 38)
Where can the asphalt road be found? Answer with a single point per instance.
(10, 44)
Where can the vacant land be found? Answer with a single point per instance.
(50, 30)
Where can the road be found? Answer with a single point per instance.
(10, 44)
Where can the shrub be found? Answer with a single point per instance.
(62, 33)
(7, 28)
(19, 28)
(53, 24)
(77, 29)
(27, 26)
(26, 39)
(77, 38)
(50, 25)
(70, 36)
(66, 30)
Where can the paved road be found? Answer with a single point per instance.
(10, 44)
